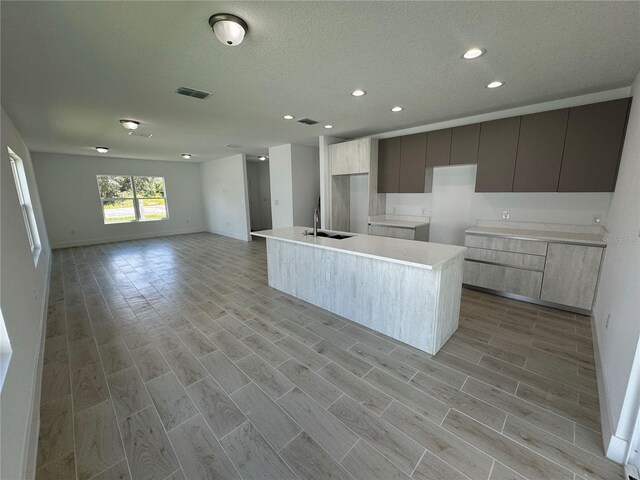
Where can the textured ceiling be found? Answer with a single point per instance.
(71, 70)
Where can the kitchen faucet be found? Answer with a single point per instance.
(316, 219)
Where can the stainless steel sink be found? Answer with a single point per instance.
(323, 233)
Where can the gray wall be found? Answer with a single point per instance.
(72, 207)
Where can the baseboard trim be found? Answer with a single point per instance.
(123, 238)
(33, 430)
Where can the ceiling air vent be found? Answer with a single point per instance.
(192, 92)
(233, 145)
(307, 121)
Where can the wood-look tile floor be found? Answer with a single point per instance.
(172, 358)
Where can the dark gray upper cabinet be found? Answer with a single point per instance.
(413, 153)
(592, 148)
(464, 144)
(540, 147)
(438, 147)
(389, 165)
(497, 155)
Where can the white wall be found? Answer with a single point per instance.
(619, 292)
(259, 195)
(305, 171)
(72, 207)
(295, 184)
(454, 206)
(23, 297)
(280, 175)
(226, 196)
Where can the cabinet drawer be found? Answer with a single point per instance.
(393, 232)
(520, 260)
(532, 247)
(503, 279)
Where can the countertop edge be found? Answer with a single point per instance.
(362, 254)
(489, 232)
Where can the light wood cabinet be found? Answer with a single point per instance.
(420, 233)
(533, 247)
(571, 275)
(348, 158)
(503, 279)
(510, 259)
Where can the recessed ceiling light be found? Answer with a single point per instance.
(358, 93)
(473, 53)
(328, 126)
(262, 158)
(102, 149)
(288, 117)
(186, 156)
(495, 84)
(130, 124)
(397, 109)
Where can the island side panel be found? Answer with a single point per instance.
(398, 300)
(449, 294)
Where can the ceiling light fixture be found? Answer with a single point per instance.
(495, 84)
(328, 126)
(130, 124)
(228, 28)
(262, 158)
(102, 149)
(186, 156)
(473, 53)
(288, 117)
(397, 109)
(358, 93)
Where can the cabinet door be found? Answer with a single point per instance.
(464, 144)
(593, 145)
(393, 232)
(350, 157)
(571, 275)
(497, 155)
(413, 154)
(388, 165)
(540, 147)
(438, 147)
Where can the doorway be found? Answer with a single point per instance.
(258, 182)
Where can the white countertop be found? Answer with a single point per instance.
(400, 221)
(595, 239)
(408, 252)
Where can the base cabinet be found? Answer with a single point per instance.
(562, 274)
(571, 275)
(420, 233)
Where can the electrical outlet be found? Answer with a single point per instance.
(424, 211)
(395, 209)
(276, 202)
(596, 219)
(506, 214)
(606, 325)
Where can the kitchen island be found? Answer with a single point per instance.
(407, 290)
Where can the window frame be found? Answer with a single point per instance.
(24, 200)
(136, 206)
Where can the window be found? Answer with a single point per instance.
(24, 199)
(5, 351)
(132, 199)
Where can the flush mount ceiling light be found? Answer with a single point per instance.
(228, 28)
(262, 158)
(102, 149)
(130, 124)
(473, 53)
(288, 117)
(397, 109)
(358, 93)
(328, 126)
(186, 156)
(495, 84)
